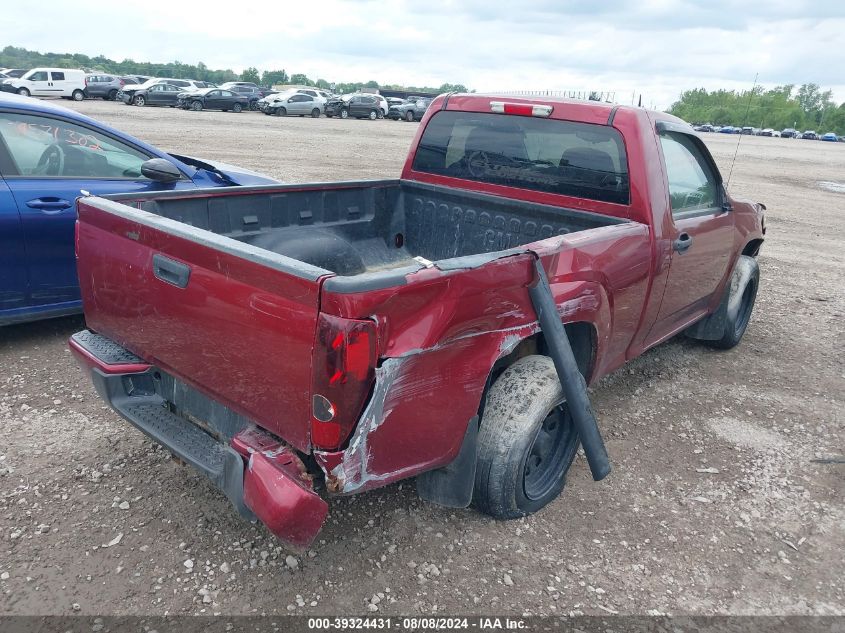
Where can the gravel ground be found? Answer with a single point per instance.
(715, 505)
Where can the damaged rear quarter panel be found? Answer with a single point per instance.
(443, 330)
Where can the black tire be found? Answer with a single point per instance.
(373, 115)
(77, 95)
(282, 111)
(344, 113)
(329, 116)
(526, 443)
(740, 302)
(196, 106)
(23, 92)
(139, 100)
(409, 116)
(112, 95)
(315, 113)
(237, 107)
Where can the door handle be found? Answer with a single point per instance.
(50, 206)
(683, 242)
(170, 271)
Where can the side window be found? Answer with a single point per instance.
(43, 147)
(225, 93)
(57, 76)
(41, 75)
(692, 184)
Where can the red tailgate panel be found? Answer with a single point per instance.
(239, 331)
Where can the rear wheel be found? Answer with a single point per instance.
(237, 107)
(112, 95)
(196, 106)
(315, 113)
(23, 92)
(373, 115)
(139, 100)
(409, 116)
(77, 95)
(526, 443)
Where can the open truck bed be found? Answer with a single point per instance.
(352, 229)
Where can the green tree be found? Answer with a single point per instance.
(300, 80)
(251, 74)
(274, 77)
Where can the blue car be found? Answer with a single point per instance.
(48, 156)
(830, 136)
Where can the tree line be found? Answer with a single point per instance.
(805, 108)
(18, 57)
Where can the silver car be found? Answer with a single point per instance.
(105, 86)
(296, 104)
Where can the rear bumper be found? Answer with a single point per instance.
(261, 476)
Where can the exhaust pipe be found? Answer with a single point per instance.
(574, 386)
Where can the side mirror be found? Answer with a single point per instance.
(160, 170)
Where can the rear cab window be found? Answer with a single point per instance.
(580, 160)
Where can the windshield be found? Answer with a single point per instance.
(562, 157)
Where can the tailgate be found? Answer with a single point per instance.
(236, 322)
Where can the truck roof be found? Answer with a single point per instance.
(562, 107)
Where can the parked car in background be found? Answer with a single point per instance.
(749, 130)
(15, 73)
(810, 135)
(270, 103)
(727, 129)
(139, 79)
(766, 132)
(253, 94)
(104, 86)
(67, 83)
(703, 128)
(154, 95)
(48, 156)
(184, 84)
(789, 133)
(830, 136)
(212, 99)
(248, 84)
(411, 110)
(358, 106)
(297, 104)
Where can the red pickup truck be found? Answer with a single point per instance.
(298, 341)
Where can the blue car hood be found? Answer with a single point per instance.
(236, 175)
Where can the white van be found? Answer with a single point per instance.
(51, 82)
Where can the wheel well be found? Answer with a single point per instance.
(752, 248)
(582, 337)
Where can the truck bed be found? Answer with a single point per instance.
(349, 229)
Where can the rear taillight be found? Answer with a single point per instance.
(122, 83)
(344, 370)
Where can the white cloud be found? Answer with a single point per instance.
(654, 47)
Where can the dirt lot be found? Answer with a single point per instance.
(714, 505)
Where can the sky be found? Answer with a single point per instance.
(656, 48)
